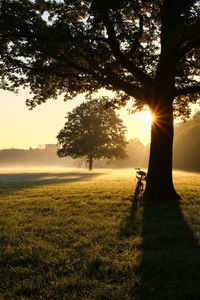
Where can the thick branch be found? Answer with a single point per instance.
(44, 70)
(110, 78)
(130, 89)
(123, 60)
(106, 78)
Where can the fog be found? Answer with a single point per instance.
(186, 155)
(35, 169)
(47, 158)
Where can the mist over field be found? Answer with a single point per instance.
(55, 175)
(186, 154)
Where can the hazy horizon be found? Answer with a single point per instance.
(24, 128)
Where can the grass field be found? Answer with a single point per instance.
(77, 235)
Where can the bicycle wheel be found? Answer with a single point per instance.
(138, 191)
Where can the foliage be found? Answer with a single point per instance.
(92, 130)
(187, 144)
(84, 240)
(76, 46)
(194, 120)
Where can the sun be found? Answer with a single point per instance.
(146, 116)
(139, 125)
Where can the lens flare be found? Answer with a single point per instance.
(147, 117)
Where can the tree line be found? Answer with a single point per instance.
(32, 157)
(187, 144)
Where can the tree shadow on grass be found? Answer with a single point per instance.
(132, 224)
(14, 181)
(170, 253)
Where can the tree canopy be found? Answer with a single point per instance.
(78, 46)
(93, 132)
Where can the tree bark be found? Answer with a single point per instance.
(90, 160)
(159, 185)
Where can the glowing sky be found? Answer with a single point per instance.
(22, 128)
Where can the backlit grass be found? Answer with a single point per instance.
(77, 235)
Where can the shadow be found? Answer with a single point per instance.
(170, 253)
(15, 181)
(132, 224)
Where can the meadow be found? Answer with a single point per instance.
(77, 235)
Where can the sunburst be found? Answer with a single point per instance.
(147, 117)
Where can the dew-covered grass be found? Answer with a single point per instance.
(77, 235)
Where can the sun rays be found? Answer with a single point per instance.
(147, 117)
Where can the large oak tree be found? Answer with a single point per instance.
(93, 132)
(145, 51)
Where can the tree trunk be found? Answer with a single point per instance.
(90, 160)
(159, 186)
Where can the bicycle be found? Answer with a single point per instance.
(140, 177)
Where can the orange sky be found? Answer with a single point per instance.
(22, 128)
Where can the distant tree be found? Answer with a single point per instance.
(93, 132)
(146, 51)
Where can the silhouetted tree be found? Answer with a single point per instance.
(93, 132)
(146, 51)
